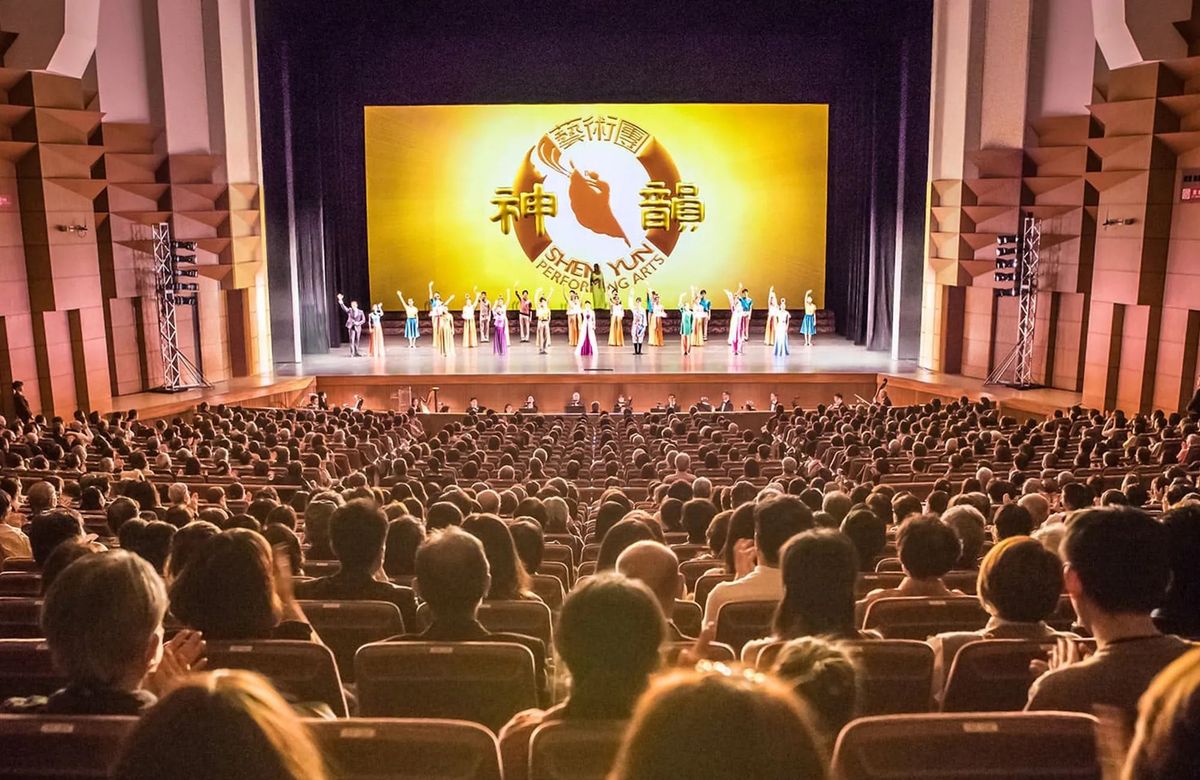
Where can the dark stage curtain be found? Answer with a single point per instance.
(322, 62)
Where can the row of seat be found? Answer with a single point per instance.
(976, 746)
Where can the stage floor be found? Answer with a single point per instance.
(829, 354)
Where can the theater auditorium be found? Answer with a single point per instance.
(461, 390)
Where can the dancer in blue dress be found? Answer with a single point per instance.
(808, 326)
(412, 329)
(780, 319)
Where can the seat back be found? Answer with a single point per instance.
(706, 582)
(692, 570)
(895, 675)
(528, 618)
(302, 671)
(18, 564)
(909, 617)
(716, 652)
(482, 682)
(962, 579)
(26, 669)
(869, 581)
(740, 621)
(688, 617)
(41, 746)
(345, 626)
(992, 674)
(20, 618)
(549, 589)
(1015, 746)
(24, 584)
(566, 750)
(400, 749)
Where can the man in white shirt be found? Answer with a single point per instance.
(13, 541)
(776, 520)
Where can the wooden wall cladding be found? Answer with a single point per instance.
(1119, 313)
(78, 320)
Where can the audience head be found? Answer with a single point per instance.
(620, 537)
(452, 573)
(927, 547)
(819, 570)
(1020, 580)
(657, 567)
(227, 590)
(357, 532)
(824, 676)
(776, 520)
(50, 529)
(404, 537)
(509, 578)
(1117, 563)
(867, 533)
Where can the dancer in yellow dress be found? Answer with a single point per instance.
(616, 319)
(470, 337)
(657, 315)
(574, 314)
(772, 308)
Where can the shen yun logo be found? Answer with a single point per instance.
(598, 201)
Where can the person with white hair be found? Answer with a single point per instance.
(177, 494)
(1038, 507)
(683, 462)
(657, 567)
(702, 487)
(984, 475)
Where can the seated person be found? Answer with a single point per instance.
(1019, 584)
(657, 567)
(453, 579)
(1118, 566)
(775, 521)
(715, 724)
(703, 405)
(818, 569)
(235, 588)
(575, 405)
(357, 532)
(672, 404)
(1165, 745)
(530, 405)
(608, 637)
(824, 676)
(49, 529)
(259, 736)
(726, 402)
(103, 621)
(928, 549)
(623, 403)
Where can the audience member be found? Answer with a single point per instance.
(657, 567)
(928, 549)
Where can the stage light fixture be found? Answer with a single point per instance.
(1005, 276)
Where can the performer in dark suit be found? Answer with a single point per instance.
(726, 403)
(20, 402)
(355, 319)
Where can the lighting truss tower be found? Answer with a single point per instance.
(179, 372)
(1016, 369)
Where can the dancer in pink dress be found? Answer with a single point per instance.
(587, 331)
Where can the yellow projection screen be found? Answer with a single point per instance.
(662, 196)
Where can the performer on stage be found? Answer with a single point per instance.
(355, 318)
(484, 306)
(616, 318)
(697, 320)
(706, 304)
(686, 325)
(443, 328)
(747, 309)
(779, 328)
(596, 283)
(500, 321)
(574, 313)
(470, 335)
(657, 315)
(772, 305)
(737, 340)
(543, 321)
(524, 315)
(587, 331)
(412, 330)
(637, 330)
(808, 326)
(376, 324)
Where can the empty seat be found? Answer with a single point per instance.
(20, 618)
(43, 746)
(909, 617)
(399, 749)
(26, 669)
(567, 750)
(706, 583)
(483, 682)
(1015, 746)
(345, 626)
(20, 583)
(692, 570)
(992, 674)
(740, 621)
(305, 672)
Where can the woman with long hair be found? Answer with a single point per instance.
(616, 320)
(510, 581)
(470, 337)
(819, 569)
(375, 323)
(574, 315)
